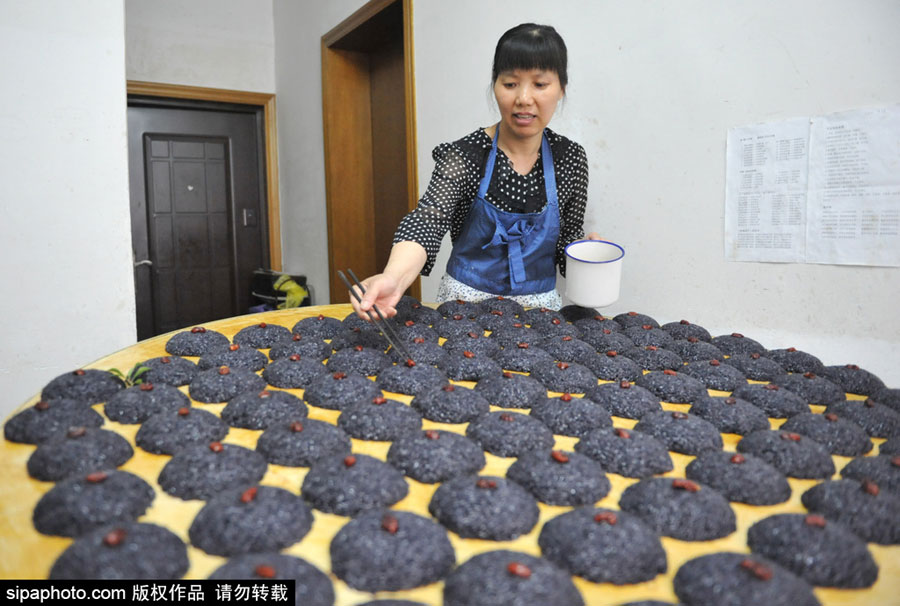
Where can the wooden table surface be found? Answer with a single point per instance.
(26, 554)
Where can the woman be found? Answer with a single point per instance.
(512, 195)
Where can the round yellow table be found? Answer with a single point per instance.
(26, 554)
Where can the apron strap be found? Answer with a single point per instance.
(512, 237)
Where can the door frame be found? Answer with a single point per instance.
(347, 130)
(264, 100)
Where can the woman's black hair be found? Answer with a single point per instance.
(531, 46)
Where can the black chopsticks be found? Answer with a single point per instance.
(386, 329)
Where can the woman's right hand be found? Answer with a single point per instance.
(382, 290)
(385, 289)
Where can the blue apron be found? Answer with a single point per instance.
(507, 253)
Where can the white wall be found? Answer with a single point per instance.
(68, 293)
(211, 43)
(654, 86)
(299, 27)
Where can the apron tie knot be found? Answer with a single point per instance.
(512, 238)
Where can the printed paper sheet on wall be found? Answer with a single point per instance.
(816, 190)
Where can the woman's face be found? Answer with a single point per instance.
(527, 99)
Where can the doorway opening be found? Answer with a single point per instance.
(204, 204)
(368, 104)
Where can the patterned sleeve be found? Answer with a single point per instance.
(572, 185)
(450, 188)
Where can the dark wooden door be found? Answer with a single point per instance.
(197, 212)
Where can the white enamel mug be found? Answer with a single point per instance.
(593, 272)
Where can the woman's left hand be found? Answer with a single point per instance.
(593, 236)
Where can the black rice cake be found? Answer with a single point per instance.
(884, 470)
(46, 419)
(743, 478)
(305, 347)
(822, 553)
(469, 366)
(203, 471)
(610, 366)
(671, 386)
(411, 378)
(683, 330)
(715, 374)
(347, 485)
(776, 402)
(629, 453)
(294, 372)
(737, 343)
(679, 508)
(603, 546)
(647, 334)
(633, 318)
(128, 550)
(693, 349)
(262, 335)
(312, 587)
(509, 434)
(89, 385)
(511, 390)
(560, 478)
(522, 357)
(79, 451)
(260, 410)
(171, 370)
(423, 352)
(873, 514)
(472, 341)
(812, 388)
(301, 444)
(564, 376)
(840, 436)
(337, 389)
(794, 455)
(250, 520)
(432, 455)
(486, 507)
(451, 404)
(853, 379)
(624, 399)
(379, 419)
(510, 578)
(756, 366)
(358, 359)
(730, 414)
(573, 313)
(320, 327)
(197, 341)
(168, 432)
(235, 356)
(570, 416)
(794, 360)
(652, 357)
(223, 383)
(512, 335)
(567, 348)
(385, 550)
(739, 579)
(136, 404)
(877, 420)
(455, 325)
(82, 503)
(681, 432)
(604, 340)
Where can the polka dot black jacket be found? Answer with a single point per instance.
(459, 167)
